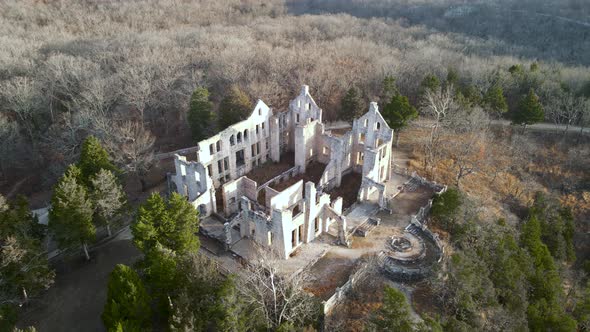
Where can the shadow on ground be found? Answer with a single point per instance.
(76, 300)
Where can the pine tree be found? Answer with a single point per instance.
(445, 206)
(388, 89)
(546, 293)
(516, 70)
(394, 315)
(70, 216)
(452, 77)
(351, 105)
(93, 158)
(495, 100)
(235, 107)
(398, 113)
(174, 224)
(108, 198)
(151, 223)
(429, 82)
(199, 114)
(162, 277)
(128, 303)
(206, 299)
(186, 217)
(529, 110)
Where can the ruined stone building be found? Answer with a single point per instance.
(299, 202)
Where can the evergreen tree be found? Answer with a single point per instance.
(545, 310)
(394, 315)
(584, 91)
(108, 197)
(70, 216)
(184, 237)
(199, 114)
(508, 271)
(206, 299)
(529, 110)
(429, 82)
(128, 303)
(388, 89)
(351, 105)
(495, 100)
(569, 230)
(24, 268)
(472, 96)
(93, 158)
(398, 113)
(445, 206)
(516, 70)
(582, 309)
(452, 77)
(174, 225)
(162, 278)
(235, 107)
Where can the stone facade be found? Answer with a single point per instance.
(286, 219)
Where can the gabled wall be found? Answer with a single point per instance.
(242, 136)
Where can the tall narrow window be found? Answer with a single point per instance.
(294, 238)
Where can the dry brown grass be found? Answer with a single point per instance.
(510, 179)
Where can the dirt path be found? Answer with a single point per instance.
(544, 126)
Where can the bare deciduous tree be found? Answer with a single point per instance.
(440, 104)
(277, 298)
(467, 143)
(9, 141)
(138, 88)
(565, 109)
(108, 197)
(21, 97)
(131, 146)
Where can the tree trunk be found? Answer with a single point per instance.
(524, 128)
(458, 178)
(25, 296)
(397, 139)
(109, 230)
(143, 184)
(85, 247)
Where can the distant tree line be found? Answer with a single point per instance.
(136, 94)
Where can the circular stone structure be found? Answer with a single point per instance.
(406, 247)
(410, 254)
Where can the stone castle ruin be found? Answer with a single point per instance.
(228, 178)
